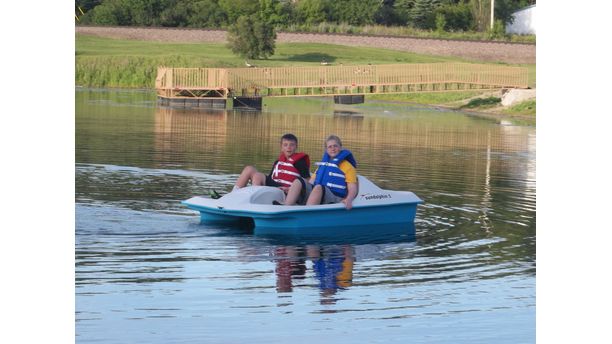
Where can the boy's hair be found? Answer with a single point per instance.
(289, 137)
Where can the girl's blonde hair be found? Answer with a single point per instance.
(333, 137)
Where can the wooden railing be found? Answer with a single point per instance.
(229, 81)
(195, 78)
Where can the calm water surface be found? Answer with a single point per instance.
(148, 272)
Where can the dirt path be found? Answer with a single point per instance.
(475, 51)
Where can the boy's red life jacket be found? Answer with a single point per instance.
(284, 171)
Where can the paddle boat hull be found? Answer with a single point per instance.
(372, 208)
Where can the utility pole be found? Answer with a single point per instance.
(492, 12)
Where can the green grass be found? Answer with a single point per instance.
(527, 107)
(106, 62)
(217, 55)
(431, 98)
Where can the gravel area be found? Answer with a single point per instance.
(475, 51)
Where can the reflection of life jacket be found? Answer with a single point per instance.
(334, 269)
(326, 270)
(284, 171)
(330, 174)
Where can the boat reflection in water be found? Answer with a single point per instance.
(331, 265)
(329, 261)
(290, 263)
(357, 235)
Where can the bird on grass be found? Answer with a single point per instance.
(246, 63)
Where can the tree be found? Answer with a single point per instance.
(505, 8)
(114, 12)
(207, 13)
(127, 12)
(481, 11)
(402, 10)
(457, 16)
(386, 15)
(236, 8)
(422, 13)
(274, 12)
(354, 12)
(145, 12)
(87, 5)
(311, 11)
(251, 37)
(176, 14)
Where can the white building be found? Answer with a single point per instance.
(524, 21)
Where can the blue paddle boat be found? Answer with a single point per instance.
(373, 207)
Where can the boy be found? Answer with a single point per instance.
(285, 170)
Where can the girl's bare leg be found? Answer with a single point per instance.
(315, 195)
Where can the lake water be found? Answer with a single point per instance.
(148, 272)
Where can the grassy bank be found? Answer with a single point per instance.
(524, 108)
(105, 62)
(433, 98)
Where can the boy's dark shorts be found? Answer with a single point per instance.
(271, 182)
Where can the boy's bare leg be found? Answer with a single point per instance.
(293, 193)
(258, 179)
(250, 173)
(315, 195)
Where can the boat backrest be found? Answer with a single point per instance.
(266, 195)
(365, 185)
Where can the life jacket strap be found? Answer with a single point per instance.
(332, 185)
(323, 163)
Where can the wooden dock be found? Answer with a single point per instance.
(211, 87)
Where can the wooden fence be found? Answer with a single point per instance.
(335, 80)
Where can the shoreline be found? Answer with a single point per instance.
(526, 119)
(483, 113)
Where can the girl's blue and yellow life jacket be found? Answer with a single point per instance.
(329, 173)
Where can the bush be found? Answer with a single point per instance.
(498, 31)
(251, 37)
(482, 102)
